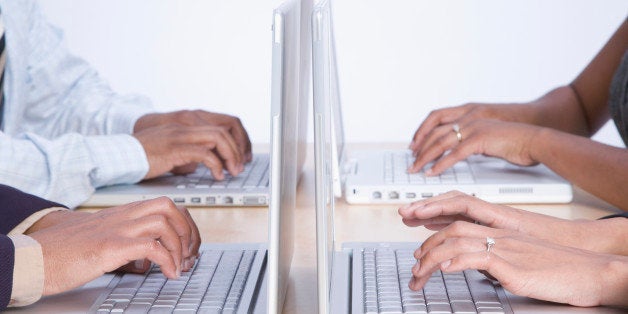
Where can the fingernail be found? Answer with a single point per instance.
(445, 264)
(411, 283)
(429, 172)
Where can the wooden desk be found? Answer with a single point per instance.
(373, 223)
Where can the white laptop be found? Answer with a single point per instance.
(378, 176)
(373, 277)
(228, 278)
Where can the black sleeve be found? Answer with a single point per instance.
(15, 206)
(624, 214)
(7, 258)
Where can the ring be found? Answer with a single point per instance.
(490, 242)
(456, 129)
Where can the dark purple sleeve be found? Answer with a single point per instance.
(15, 206)
(7, 257)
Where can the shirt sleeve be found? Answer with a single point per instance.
(65, 93)
(28, 271)
(67, 169)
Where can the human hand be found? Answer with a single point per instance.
(524, 265)
(232, 124)
(86, 246)
(175, 147)
(507, 140)
(466, 114)
(443, 210)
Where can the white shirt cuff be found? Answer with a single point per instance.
(28, 271)
(119, 159)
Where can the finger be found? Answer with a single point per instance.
(159, 228)
(242, 138)
(452, 247)
(131, 249)
(411, 210)
(493, 264)
(185, 169)
(164, 207)
(218, 139)
(433, 150)
(435, 223)
(457, 203)
(456, 154)
(460, 229)
(139, 266)
(434, 119)
(191, 254)
(214, 164)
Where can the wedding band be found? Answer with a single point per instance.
(490, 242)
(456, 129)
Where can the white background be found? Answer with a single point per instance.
(398, 59)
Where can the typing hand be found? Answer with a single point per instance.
(231, 124)
(507, 140)
(525, 265)
(449, 209)
(174, 147)
(84, 247)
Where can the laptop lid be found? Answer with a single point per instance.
(326, 87)
(326, 150)
(289, 113)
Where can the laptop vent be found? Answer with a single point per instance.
(519, 190)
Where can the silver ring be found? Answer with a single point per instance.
(490, 242)
(456, 129)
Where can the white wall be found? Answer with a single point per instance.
(398, 59)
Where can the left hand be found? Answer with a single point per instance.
(440, 211)
(201, 118)
(508, 140)
(523, 265)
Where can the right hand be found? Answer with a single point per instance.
(443, 210)
(525, 265)
(82, 248)
(175, 146)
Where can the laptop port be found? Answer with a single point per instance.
(195, 200)
(427, 195)
(377, 195)
(410, 195)
(393, 195)
(179, 199)
(227, 200)
(210, 200)
(254, 200)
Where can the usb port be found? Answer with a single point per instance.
(196, 200)
(410, 195)
(427, 195)
(179, 199)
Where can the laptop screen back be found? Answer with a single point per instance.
(290, 80)
(326, 149)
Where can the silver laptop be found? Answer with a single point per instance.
(227, 278)
(373, 277)
(380, 176)
(249, 188)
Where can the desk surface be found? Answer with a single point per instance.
(369, 223)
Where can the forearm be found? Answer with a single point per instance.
(595, 167)
(559, 109)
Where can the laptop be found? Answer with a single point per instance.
(376, 176)
(373, 277)
(234, 277)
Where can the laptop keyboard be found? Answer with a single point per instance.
(255, 175)
(388, 271)
(396, 171)
(214, 285)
